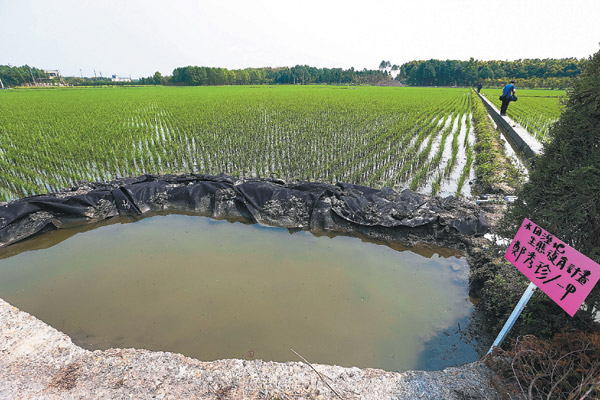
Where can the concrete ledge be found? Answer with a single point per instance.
(525, 143)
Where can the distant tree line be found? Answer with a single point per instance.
(533, 73)
(18, 76)
(298, 75)
(549, 72)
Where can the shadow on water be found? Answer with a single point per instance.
(450, 347)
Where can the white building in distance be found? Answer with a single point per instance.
(52, 73)
(115, 78)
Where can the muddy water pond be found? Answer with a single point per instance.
(214, 289)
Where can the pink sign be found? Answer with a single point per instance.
(560, 271)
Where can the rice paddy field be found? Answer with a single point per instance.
(419, 138)
(535, 110)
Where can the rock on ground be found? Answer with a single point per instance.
(39, 362)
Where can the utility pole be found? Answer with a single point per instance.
(95, 74)
(32, 78)
(1, 84)
(81, 73)
(61, 78)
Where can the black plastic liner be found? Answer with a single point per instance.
(384, 214)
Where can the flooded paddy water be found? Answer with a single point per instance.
(213, 289)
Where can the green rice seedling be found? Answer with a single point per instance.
(365, 135)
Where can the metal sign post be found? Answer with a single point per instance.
(513, 316)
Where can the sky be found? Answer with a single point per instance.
(138, 37)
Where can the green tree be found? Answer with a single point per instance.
(157, 78)
(383, 65)
(429, 74)
(255, 76)
(471, 71)
(486, 73)
(243, 77)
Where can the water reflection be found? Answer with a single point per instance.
(216, 289)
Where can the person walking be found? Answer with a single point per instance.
(507, 93)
